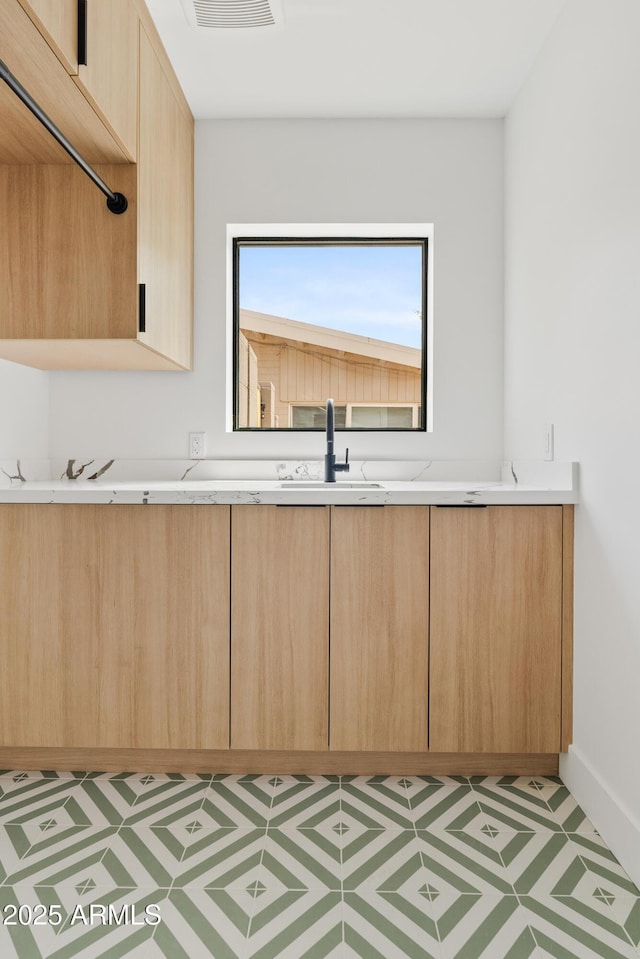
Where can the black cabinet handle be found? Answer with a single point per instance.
(82, 32)
(142, 307)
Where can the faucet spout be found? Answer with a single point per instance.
(331, 467)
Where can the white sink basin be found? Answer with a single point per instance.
(312, 484)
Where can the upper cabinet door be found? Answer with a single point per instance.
(165, 207)
(29, 53)
(57, 21)
(496, 629)
(109, 77)
(379, 628)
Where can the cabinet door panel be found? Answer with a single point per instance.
(57, 21)
(279, 616)
(165, 223)
(71, 276)
(496, 608)
(34, 63)
(379, 628)
(109, 79)
(114, 626)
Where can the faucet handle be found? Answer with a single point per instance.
(344, 467)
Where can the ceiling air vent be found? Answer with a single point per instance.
(233, 14)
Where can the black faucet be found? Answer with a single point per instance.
(330, 465)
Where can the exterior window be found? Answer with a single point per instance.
(382, 417)
(314, 417)
(341, 317)
(356, 417)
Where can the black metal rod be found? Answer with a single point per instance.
(116, 202)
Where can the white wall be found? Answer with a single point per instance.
(24, 420)
(572, 357)
(446, 172)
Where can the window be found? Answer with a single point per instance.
(330, 316)
(353, 416)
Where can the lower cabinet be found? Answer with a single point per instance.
(114, 626)
(345, 586)
(396, 629)
(280, 627)
(496, 629)
(379, 628)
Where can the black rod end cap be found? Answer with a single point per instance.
(117, 203)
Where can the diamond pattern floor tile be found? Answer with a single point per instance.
(252, 867)
(304, 805)
(386, 797)
(512, 811)
(567, 812)
(19, 775)
(452, 863)
(389, 925)
(36, 856)
(93, 919)
(286, 924)
(311, 856)
(238, 802)
(382, 860)
(557, 864)
(223, 858)
(204, 923)
(34, 799)
(446, 807)
(625, 911)
(565, 928)
(162, 803)
(301, 803)
(484, 927)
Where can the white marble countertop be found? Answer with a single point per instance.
(371, 484)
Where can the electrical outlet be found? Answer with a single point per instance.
(548, 441)
(197, 446)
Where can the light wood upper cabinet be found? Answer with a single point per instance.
(496, 629)
(109, 78)
(165, 208)
(84, 288)
(379, 628)
(36, 65)
(114, 626)
(57, 21)
(67, 265)
(280, 627)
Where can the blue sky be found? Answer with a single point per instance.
(371, 290)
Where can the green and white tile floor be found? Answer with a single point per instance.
(294, 866)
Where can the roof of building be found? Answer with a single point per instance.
(323, 336)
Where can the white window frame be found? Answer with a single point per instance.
(310, 230)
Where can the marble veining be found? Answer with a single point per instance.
(17, 476)
(204, 482)
(73, 472)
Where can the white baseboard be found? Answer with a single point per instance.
(619, 828)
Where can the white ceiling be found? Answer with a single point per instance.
(361, 58)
